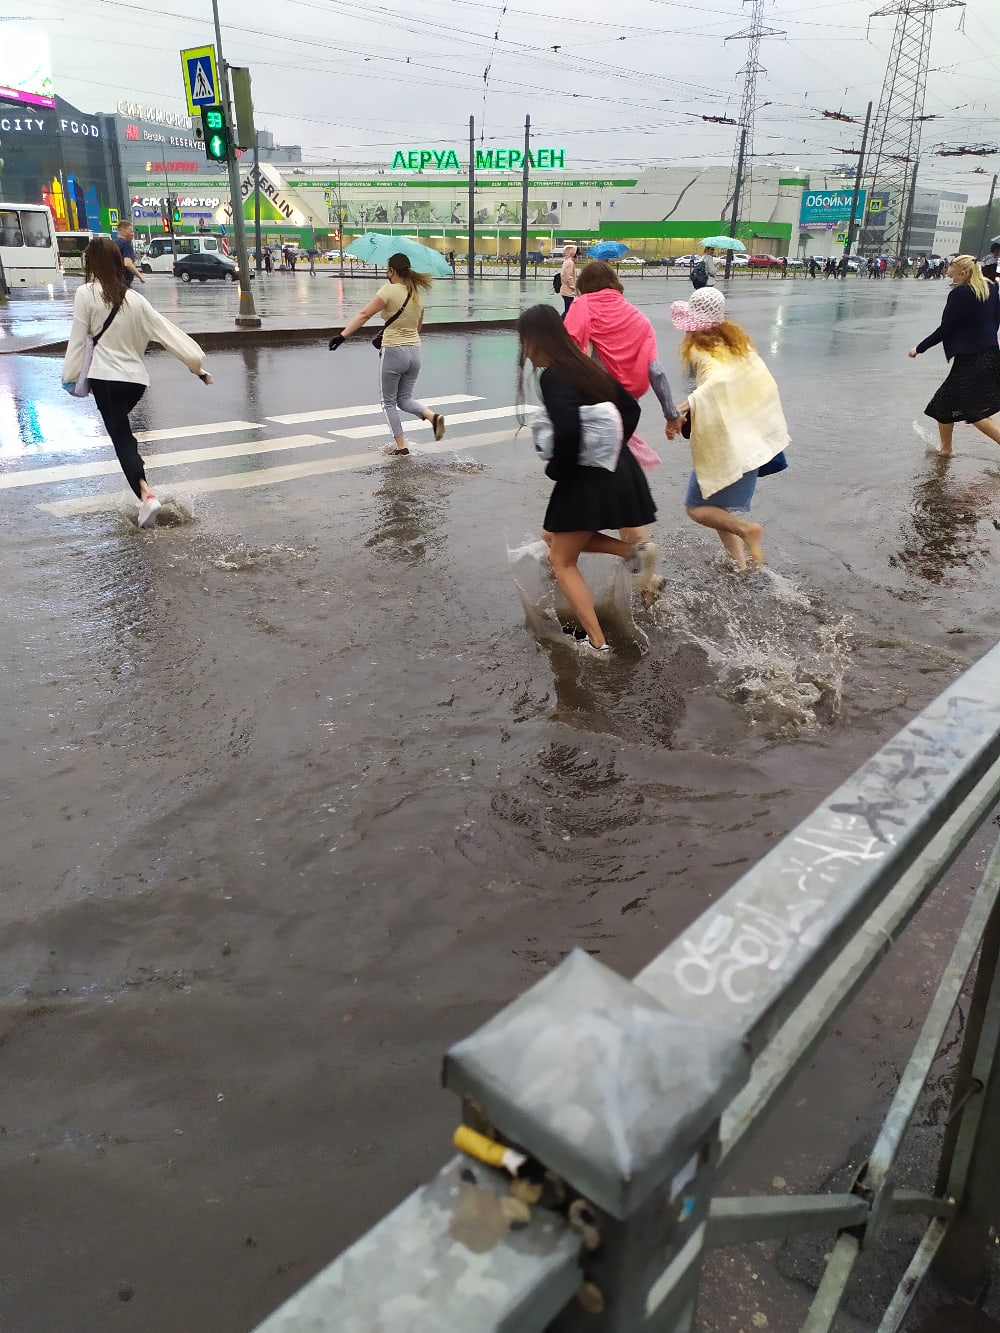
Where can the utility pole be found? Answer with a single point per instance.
(986, 221)
(904, 235)
(857, 183)
(736, 196)
(256, 198)
(472, 200)
(247, 317)
(524, 199)
(748, 107)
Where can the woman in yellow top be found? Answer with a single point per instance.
(399, 302)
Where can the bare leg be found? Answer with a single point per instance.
(946, 430)
(599, 544)
(721, 520)
(988, 428)
(634, 535)
(564, 551)
(734, 546)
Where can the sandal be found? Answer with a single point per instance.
(437, 422)
(396, 453)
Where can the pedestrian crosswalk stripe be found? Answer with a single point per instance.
(38, 476)
(238, 481)
(187, 432)
(457, 419)
(343, 413)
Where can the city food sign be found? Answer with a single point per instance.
(487, 159)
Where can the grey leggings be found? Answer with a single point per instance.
(400, 368)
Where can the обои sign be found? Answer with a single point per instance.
(829, 208)
(487, 159)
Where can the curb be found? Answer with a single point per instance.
(227, 339)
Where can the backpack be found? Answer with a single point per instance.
(699, 275)
(556, 282)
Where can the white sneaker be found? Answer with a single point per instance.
(147, 508)
(591, 649)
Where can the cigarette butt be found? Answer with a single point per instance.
(488, 1150)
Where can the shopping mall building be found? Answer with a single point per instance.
(134, 158)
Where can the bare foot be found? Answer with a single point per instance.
(751, 535)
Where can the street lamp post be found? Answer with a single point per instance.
(248, 317)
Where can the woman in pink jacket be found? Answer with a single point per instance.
(604, 325)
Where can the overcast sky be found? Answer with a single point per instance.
(619, 85)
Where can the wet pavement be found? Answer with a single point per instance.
(292, 799)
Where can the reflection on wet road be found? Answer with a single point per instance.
(292, 799)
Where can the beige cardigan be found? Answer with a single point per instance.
(737, 423)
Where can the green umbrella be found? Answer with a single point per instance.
(723, 243)
(376, 248)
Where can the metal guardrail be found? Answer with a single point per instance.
(635, 1096)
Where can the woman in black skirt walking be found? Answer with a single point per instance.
(968, 330)
(585, 499)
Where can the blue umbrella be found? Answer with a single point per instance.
(607, 250)
(375, 248)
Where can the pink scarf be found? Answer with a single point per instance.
(624, 340)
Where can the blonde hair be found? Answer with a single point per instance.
(727, 336)
(966, 269)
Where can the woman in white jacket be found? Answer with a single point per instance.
(118, 376)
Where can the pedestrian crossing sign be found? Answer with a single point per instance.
(201, 78)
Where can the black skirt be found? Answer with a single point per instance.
(593, 498)
(972, 390)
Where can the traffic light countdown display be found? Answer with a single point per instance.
(218, 139)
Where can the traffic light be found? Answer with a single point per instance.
(218, 140)
(177, 215)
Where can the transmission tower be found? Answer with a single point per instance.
(895, 144)
(748, 106)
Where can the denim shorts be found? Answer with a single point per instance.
(737, 495)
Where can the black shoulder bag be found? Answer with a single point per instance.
(377, 340)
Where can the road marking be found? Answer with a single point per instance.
(337, 413)
(38, 476)
(207, 428)
(487, 414)
(237, 481)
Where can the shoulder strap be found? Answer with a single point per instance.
(396, 316)
(107, 323)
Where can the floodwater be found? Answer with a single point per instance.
(292, 799)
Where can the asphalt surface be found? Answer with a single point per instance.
(292, 799)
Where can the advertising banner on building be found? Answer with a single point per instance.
(829, 208)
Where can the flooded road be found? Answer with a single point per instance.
(291, 799)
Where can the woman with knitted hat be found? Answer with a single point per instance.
(734, 421)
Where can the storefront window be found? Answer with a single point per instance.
(36, 229)
(10, 228)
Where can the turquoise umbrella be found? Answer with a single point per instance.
(723, 243)
(375, 248)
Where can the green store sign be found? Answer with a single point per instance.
(487, 159)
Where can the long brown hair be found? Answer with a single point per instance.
(726, 336)
(102, 264)
(415, 282)
(596, 276)
(541, 331)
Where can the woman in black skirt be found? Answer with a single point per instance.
(968, 330)
(584, 500)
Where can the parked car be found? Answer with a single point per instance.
(163, 252)
(205, 266)
(630, 259)
(739, 260)
(655, 263)
(764, 261)
(685, 261)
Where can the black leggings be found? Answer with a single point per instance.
(115, 399)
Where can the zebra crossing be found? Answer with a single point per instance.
(315, 452)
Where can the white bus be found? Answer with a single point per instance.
(28, 248)
(72, 245)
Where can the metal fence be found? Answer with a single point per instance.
(632, 1098)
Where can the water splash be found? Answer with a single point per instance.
(546, 610)
(773, 649)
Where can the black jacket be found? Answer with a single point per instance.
(968, 325)
(563, 401)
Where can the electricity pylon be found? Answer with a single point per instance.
(895, 144)
(739, 198)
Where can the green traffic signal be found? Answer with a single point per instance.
(217, 136)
